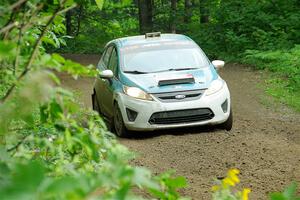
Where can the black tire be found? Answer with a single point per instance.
(227, 125)
(118, 123)
(95, 103)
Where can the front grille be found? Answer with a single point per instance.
(172, 96)
(181, 116)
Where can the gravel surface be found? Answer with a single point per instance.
(264, 142)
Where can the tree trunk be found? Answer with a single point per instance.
(145, 15)
(187, 11)
(173, 16)
(204, 12)
(136, 3)
(68, 22)
(79, 16)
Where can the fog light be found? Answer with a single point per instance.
(225, 106)
(131, 114)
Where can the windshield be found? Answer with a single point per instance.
(157, 57)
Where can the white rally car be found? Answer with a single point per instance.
(158, 81)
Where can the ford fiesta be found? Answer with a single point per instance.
(158, 81)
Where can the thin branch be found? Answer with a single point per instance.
(18, 144)
(20, 35)
(39, 40)
(34, 52)
(16, 62)
(17, 129)
(67, 9)
(13, 6)
(17, 4)
(8, 27)
(30, 21)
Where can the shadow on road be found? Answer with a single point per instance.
(175, 131)
(142, 135)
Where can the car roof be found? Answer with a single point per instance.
(142, 40)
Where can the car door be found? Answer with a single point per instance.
(107, 85)
(111, 83)
(101, 84)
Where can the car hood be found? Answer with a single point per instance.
(150, 82)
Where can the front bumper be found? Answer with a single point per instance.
(146, 109)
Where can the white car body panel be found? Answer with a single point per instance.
(146, 108)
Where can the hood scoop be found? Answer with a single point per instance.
(173, 80)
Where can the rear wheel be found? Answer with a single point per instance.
(119, 126)
(227, 125)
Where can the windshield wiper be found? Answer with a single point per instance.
(165, 70)
(177, 69)
(135, 72)
(180, 69)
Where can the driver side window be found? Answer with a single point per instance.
(113, 62)
(104, 61)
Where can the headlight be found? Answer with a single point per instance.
(137, 93)
(215, 87)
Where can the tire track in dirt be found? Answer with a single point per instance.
(264, 142)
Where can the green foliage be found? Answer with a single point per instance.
(224, 190)
(236, 26)
(51, 147)
(289, 193)
(285, 62)
(99, 3)
(92, 28)
(170, 186)
(285, 65)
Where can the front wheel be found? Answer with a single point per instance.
(119, 126)
(227, 125)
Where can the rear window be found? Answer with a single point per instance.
(162, 56)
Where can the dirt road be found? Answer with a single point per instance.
(264, 143)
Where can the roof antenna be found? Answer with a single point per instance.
(152, 35)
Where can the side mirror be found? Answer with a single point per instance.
(218, 64)
(106, 74)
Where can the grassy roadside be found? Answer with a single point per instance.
(284, 81)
